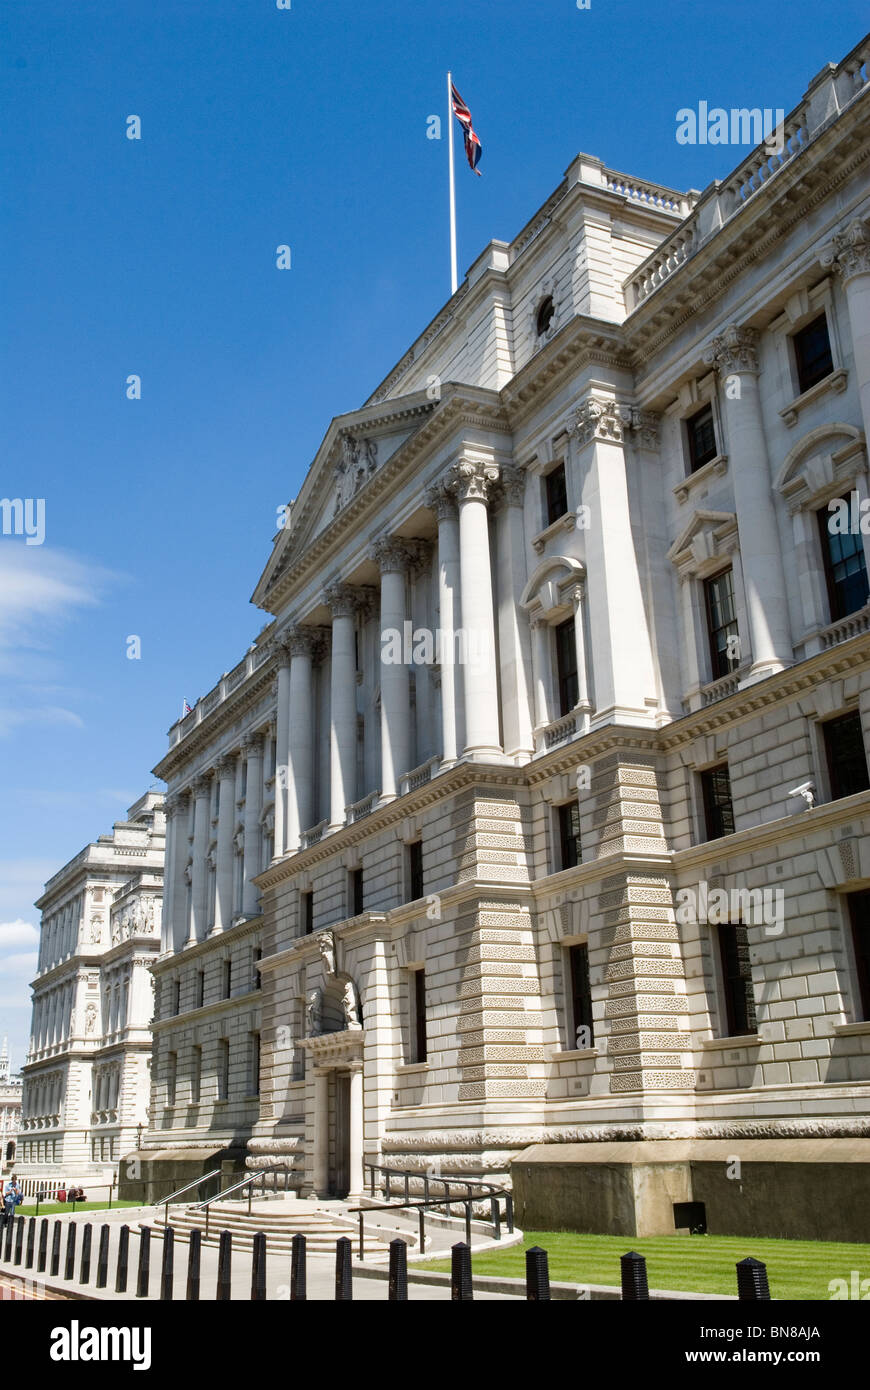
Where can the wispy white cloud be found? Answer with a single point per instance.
(12, 719)
(18, 933)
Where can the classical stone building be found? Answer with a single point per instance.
(10, 1111)
(87, 1076)
(530, 837)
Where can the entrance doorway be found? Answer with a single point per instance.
(339, 1168)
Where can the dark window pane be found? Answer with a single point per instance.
(566, 666)
(859, 912)
(718, 810)
(307, 913)
(847, 761)
(581, 997)
(721, 623)
(569, 835)
(356, 892)
(701, 433)
(736, 979)
(545, 316)
(419, 1015)
(845, 568)
(415, 870)
(812, 353)
(557, 494)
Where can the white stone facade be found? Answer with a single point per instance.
(87, 1076)
(301, 786)
(10, 1111)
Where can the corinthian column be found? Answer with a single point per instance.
(252, 747)
(735, 355)
(849, 255)
(443, 504)
(282, 736)
(471, 481)
(223, 902)
(199, 867)
(344, 602)
(394, 559)
(300, 772)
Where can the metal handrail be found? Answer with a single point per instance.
(247, 1182)
(485, 1190)
(164, 1201)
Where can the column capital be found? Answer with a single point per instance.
(513, 483)
(279, 647)
(252, 744)
(578, 592)
(394, 555)
(173, 804)
(225, 766)
(440, 500)
(303, 641)
(594, 419)
(344, 600)
(848, 253)
(642, 423)
(201, 786)
(735, 350)
(472, 479)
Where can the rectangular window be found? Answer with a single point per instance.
(418, 1019)
(701, 436)
(721, 624)
(566, 665)
(718, 808)
(845, 569)
(738, 997)
(223, 1070)
(569, 834)
(228, 979)
(582, 1030)
(557, 493)
(255, 1064)
(196, 1076)
(306, 912)
(812, 353)
(354, 892)
(171, 1077)
(257, 981)
(415, 871)
(847, 761)
(859, 914)
(176, 997)
(200, 988)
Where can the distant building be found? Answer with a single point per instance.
(10, 1111)
(86, 1080)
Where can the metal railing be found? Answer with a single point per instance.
(463, 1192)
(249, 1182)
(174, 1196)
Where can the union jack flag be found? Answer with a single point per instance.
(473, 147)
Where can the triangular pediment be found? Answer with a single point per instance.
(703, 536)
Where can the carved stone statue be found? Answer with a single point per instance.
(315, 1012)
(326, 942)
(90, 1018)
(96, 932)
(350, 1004)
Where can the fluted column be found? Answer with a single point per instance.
(443, 504)
(282, 739)
(223, 901)
(578, 596)
(343, 602)
(355, 1124)
(471, 481)
(514, 636)
(542, 667)
(252, 748)
(171, 810)
(394, 559)
(849, 256)
(735, 355)
(199, 867)
(300, 801)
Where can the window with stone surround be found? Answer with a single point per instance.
(565, 638)
(845, 567)
(701, 437)
(813, 358)
(417, 1021)
(845, 755)
(722, 624)
(254, 1054)
(228, 978)
(859, 917)
(200, 989)
(567, 818)
(223, 1069)
(256, 977)
(176, 997)
(171, 1077)
(306, 912)
(737, 1014)
(555, 494)
(414, 871)
(354, 892)
(545, 315)
(582, 1029)
(718, 807)
(196, 1076)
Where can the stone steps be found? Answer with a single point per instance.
(321, 1229)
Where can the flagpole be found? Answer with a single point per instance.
(454, 277)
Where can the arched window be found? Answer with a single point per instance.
(545, 315)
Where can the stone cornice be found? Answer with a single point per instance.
(212, 945)
(238, 703)
(194, 1016)
(582, 342)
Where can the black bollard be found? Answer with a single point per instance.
(343, 1275)
(19, 1240)
(123, 1260)
(143, 1278)
(9, 1233)
(85, 1267)
(752, 1283)
(298, 1283)
(69, 1269)
(461, 1290)
(398, 1290)
(194, 1254)
(54, 1267)
(537, 1276)
(258, 1268)
(42, 1248)
(225, 1266)
(31, 1242)
(634, 1282)
(103, 1258)
(167, 1268)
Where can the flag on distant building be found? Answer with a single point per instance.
(185, 709)
(473, 147)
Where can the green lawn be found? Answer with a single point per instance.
(798, 1269)
(28, 1207)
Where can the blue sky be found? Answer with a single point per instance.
(260, 127)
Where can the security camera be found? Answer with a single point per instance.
(807, 790)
